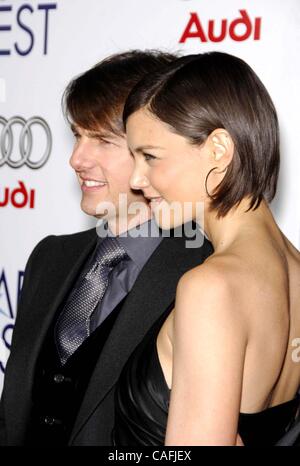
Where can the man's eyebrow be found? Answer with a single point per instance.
(73, 128)
(146, 147)
(100, 134)
(93, 133)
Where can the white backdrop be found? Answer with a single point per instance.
(43, 44)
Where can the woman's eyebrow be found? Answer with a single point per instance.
(147, 147)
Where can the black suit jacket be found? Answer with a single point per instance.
(292, 437)
(49, 275)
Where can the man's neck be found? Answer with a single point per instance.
(119, 225)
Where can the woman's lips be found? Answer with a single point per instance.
(155, 201)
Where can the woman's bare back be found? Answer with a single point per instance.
(269, 273)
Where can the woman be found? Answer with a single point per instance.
(218, 367)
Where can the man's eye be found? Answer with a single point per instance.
(103, 140)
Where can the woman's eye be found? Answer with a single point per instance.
(148, 156)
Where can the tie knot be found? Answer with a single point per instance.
(110, 252)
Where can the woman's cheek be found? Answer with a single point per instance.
(157, 178)
(165, 177)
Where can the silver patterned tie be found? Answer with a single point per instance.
(73, 325)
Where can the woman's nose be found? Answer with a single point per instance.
(138, 179)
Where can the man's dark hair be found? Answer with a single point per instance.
(197, 94)
(95, 99)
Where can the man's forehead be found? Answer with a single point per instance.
(99, 132)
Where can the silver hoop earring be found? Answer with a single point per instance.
(209, 195)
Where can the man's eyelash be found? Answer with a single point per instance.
(102, 139)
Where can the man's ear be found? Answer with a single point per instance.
(222, 146)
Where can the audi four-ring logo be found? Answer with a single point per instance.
(25, 142)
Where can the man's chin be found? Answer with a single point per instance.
(89, 210)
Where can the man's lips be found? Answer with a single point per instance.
(88, 184)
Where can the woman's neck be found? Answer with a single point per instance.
(223, 231)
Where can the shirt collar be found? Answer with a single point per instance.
(139, 242)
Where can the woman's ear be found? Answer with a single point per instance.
(222, 147)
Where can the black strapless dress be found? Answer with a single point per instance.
(142, 401)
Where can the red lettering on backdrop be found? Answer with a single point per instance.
(195, 30)
(19, 197)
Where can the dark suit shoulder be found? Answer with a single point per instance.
(52, 242)
(91, 233)
(50, 264)
(54, 251)
(189, 249)
(81, 236)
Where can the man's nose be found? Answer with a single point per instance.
(81, 158)
(138, 179)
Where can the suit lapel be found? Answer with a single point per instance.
(152, 293)
(72, 261)
(34, 323)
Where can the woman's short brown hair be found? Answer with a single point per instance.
(95, 99)
(197, 94)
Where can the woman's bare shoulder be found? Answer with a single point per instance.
(226, 284)
(218, 274)
(214, 287)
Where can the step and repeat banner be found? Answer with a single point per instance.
(44, 44)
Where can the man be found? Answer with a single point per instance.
(292, 436)
(87, 301)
